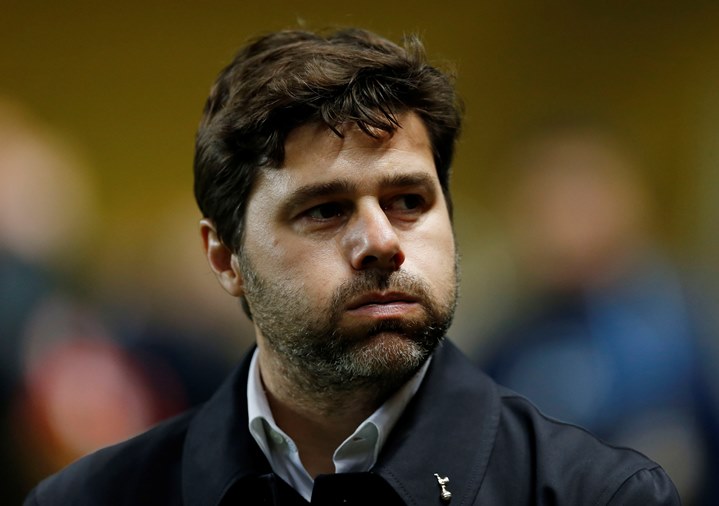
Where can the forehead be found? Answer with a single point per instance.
(317, 140)
(316, 154)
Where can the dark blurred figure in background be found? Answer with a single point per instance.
(608, 338)
(46, 205)
(74, 376)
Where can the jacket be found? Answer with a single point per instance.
(493, 447)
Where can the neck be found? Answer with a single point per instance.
(318, 422)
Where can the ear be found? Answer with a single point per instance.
(223, 262)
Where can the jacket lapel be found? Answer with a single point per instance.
(219, 449)
(448, 428)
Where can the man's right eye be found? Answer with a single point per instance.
(325, 211)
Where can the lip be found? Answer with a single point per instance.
(382, 305)
(377, 298)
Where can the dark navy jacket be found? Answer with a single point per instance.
(493, 445)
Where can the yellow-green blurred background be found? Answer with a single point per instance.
(125, 83)
(120, 86)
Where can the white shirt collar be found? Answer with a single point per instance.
(357, 453)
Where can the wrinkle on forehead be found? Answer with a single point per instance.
(327, 144)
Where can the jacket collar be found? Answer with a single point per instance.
(451, 423)
(449, 428)
(219, 449)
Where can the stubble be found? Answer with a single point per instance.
(322, 358)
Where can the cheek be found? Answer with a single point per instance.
(439, 238)
(435, 260)
(432, 254)
(301, 255)
(311, 266)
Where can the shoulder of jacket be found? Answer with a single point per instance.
(646, 486)
(569, 460)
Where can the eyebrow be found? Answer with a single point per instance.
(314, 191)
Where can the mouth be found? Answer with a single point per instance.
(379, 305)
(378, 298)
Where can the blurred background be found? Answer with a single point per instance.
(586, 211)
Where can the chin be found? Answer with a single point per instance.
(388, 352)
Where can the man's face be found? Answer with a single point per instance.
(348, 261)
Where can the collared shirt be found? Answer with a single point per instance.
(358, 453)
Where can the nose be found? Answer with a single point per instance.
(371, 241)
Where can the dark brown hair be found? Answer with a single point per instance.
(286, 79)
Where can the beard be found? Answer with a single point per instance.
(321, 356)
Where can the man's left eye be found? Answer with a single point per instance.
(408, 202)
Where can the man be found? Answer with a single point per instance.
(322, 171)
